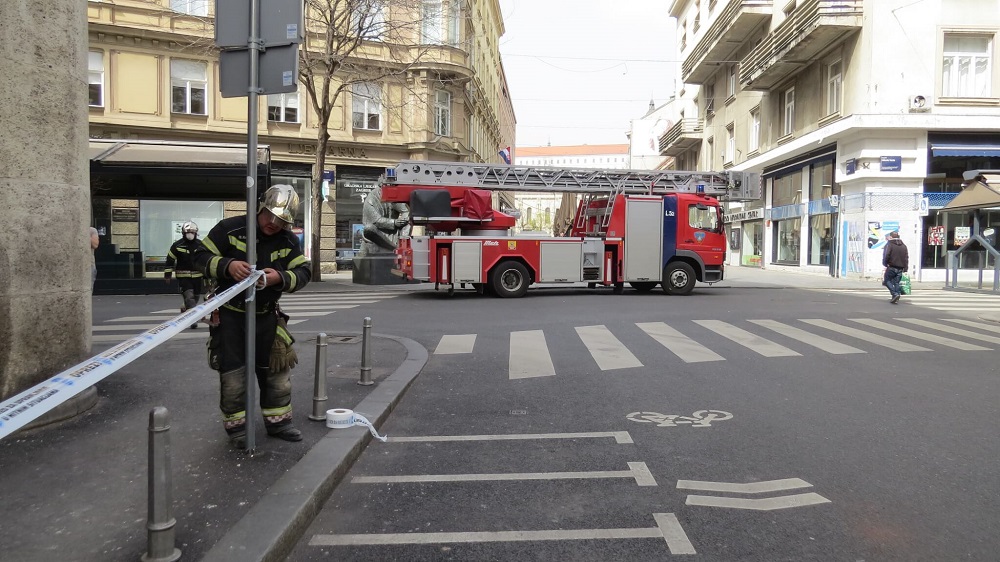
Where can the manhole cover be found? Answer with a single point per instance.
(344, 339)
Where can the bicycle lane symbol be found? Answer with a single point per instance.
(700, 418)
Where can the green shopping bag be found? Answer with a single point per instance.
(904, 283)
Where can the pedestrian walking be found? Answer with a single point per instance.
(181, 255)
(223, 257)
(95, 241)
(896, 259)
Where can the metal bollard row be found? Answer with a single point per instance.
(160, 521)
(319, 385)
(366, 353)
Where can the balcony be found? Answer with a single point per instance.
(812, 27)
(731, 28)
(683, 136)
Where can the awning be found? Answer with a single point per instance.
(965, 150)
(977, 195)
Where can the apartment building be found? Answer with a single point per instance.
(552, 212)
(860, 115)
(154, 76)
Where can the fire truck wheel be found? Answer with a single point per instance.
(678, 278)
(643, 286)
(509, 279)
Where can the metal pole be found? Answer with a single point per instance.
(953, 266)
(366, 353)
(319, 385)
(160, 521)
(250, 306)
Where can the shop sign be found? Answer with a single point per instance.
(741, 216)
(890, 163)
(962, 235)
(125, 214)
(309, 149)
(355, 188)
(851, 165)
(935, 236)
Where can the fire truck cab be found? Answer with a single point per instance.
(635, 227)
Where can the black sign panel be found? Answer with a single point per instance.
(125, 215)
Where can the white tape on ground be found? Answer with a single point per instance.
(21, 409)
(342, 418)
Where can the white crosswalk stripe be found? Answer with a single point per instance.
(936, 299)
(530, 356)
(300, 306)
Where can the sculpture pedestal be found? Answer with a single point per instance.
(376, 270)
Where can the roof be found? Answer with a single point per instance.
(977, 195)
(578, 150)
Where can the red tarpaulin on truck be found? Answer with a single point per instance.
(475, 204)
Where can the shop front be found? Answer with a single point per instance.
(745, 229)
(353, 184)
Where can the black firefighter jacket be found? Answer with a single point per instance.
(181, 253)
(227, 241)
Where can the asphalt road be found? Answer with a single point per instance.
(817, 444)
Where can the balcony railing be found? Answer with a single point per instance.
(684, 135)
(812, 27)
(727, 32)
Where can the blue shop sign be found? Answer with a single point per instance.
(890, 163)
(851, 166)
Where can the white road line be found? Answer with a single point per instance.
(748, 488)
(685, 348)
(951, 330)
(870, 337)
(809, 338)
(318, 307)
(120, 327)
(312, 314)
(765, 347)
(677, 539)
(105, 338)
(763, 504)
(965, 309)
(529, 355)
(970, 323)
(896, 329)
(135, 319)
(485, 536)
(453, 344)
(637, 471)
(622, 437)
(606, 349)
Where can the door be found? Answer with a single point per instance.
(643, 238)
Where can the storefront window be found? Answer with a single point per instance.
(753, 243)
(786, 245)
(303, 222)
(787, 190)
(160, 225)
(821, 181)
(351, 192)
(820, 239)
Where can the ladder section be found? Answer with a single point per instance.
(724, 185)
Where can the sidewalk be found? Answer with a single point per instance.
(78, 489)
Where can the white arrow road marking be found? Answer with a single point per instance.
(763, 504)
(748, 488)
(920, 335)
(667, 527)
(620, 437)
(637, 470)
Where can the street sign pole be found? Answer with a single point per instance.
(251, 306)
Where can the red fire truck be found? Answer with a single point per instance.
(638, 227)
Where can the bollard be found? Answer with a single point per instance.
(366, 353)
(319, 385)
(160, 523)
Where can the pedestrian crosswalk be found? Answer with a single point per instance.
(936, 299)
(692, 341)
(299, 306)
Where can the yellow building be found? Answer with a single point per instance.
(154, 76)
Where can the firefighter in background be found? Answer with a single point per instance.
(189, 278)
(223, 257)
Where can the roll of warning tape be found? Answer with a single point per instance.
(339, 418)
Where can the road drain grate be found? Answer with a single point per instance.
(344, 339)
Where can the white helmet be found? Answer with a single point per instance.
(282, 201)
(189, 226)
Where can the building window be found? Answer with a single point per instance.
(367, 106)
(368, 20)
(95, 78)
(710, 98)
(753, 142)
(731, 77)
(966, 69)
(834, 87)
(190, 7)
(730, 155)
(441, 21)
(442, 113)
(189, 87)
(788, 116)
(283, 108)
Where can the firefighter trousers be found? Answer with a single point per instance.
(229, 341)
(190, 291)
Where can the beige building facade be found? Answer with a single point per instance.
(861, 116)
(154, 77)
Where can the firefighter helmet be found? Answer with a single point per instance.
(282, 201)
(189, 226)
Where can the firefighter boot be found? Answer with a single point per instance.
(288, 433)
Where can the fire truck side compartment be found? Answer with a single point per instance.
(561, 262)
(467, 262)
(643, 239)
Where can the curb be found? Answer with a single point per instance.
(991, 319)
(295, 499)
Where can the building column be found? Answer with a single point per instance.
(45, 256)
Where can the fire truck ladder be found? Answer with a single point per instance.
(593, 184)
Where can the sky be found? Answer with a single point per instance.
(579, 71)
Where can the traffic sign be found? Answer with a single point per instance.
(278, 71)
(280, 23)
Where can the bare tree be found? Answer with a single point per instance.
(358, 46)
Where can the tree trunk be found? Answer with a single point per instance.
(316, 211)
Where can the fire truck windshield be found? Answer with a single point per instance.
(703, 217)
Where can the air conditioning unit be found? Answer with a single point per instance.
(919, 104)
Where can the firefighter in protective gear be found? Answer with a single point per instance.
(286, 270)
(189, 278)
